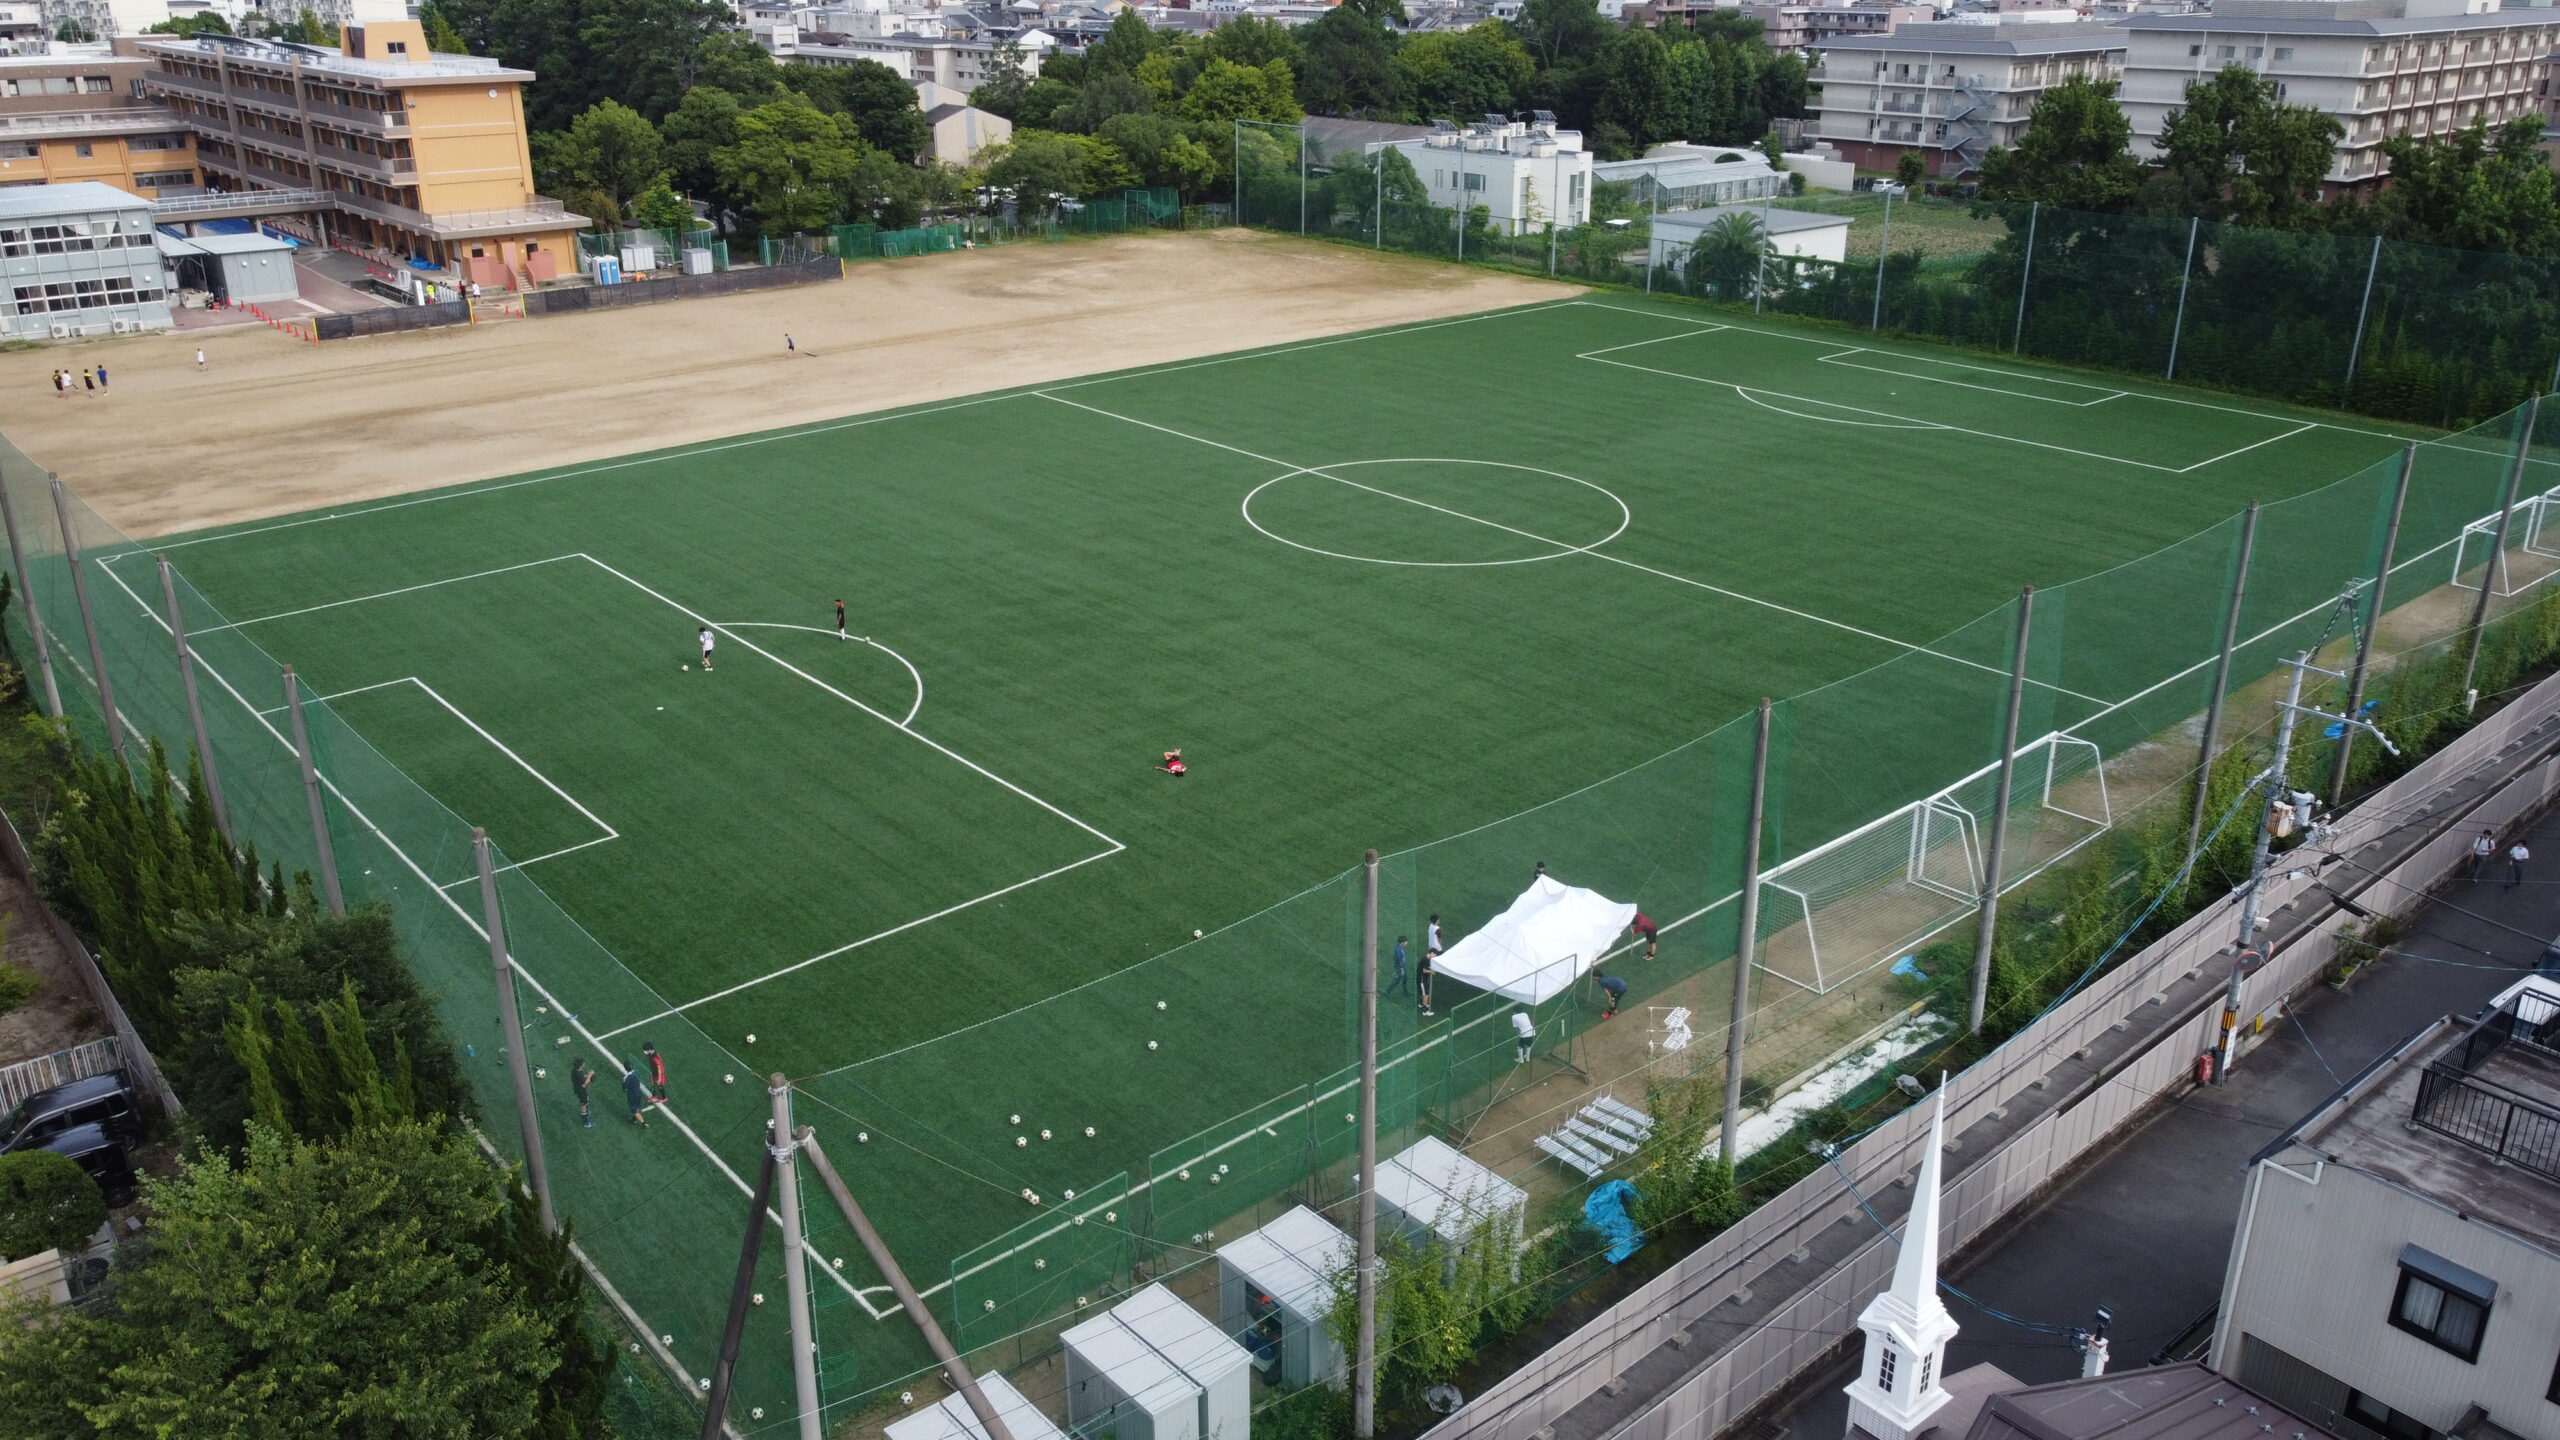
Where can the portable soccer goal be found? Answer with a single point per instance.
(1836, 911)
(2531, 556)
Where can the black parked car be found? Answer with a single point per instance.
(105, 1100)
(101, 1155)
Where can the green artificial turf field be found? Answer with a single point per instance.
(1380, 590)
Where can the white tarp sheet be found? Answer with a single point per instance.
(1535, 950)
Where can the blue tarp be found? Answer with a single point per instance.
(1606, 1211)
(226, 227)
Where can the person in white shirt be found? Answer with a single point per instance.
(199, 359)
(706, 647)
(1527, 1030)
(2516, 856)
(1431, 939)
(2483, 846)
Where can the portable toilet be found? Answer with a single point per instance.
(697, 261)
(1435, 1190)
(1275, 1295)
(1152, 1368)
(950, 1418)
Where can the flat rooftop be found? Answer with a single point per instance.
(2480, 1093)
(320, 60)
(25, 202)
(1955, 39)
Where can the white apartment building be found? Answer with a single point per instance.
(1950, 91)
(2382, 67)
(2396, 1272)
(1527, 175)
(963, 65)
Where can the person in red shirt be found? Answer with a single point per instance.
(1644, 930)
(1172, 764)
(657, 1064)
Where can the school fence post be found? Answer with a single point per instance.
(512, 1022)
(2479, 608)
(1746, 947)
(2372, 623)
(88, 622)
(311, 791)
(1364, 1371)
(1996, 853)
(27, 594)
(195, 709)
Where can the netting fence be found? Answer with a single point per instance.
(2386, 327)
(1224, 1088)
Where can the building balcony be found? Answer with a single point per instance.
(395, 168)
(368, 122)
(159, 81)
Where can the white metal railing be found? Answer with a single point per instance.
(25, 1078)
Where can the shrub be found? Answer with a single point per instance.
(46, 1203)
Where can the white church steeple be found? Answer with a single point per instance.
(1907, 1328)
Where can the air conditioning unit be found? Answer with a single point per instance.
(121, 326)
(61, 332)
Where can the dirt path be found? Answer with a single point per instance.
(274, 426)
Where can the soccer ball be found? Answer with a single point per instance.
(751, 1039)
(1088, 1132)
(1013, 1119)
(1196, 934)
(1151, 1044)
(1044, 1134)
(1159, 1004)
(728, 1079)
(1019, 1142)
(688, 667)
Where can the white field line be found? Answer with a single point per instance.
(2245, 449)
(1755, 397)
(2130, 394)
(1112, 846)
(473, 925)
(1842, 360)
(1659, 340)
(912, 673)
(384, 595)
(688, 452)
(1882, 415)
(1559, 544)
(2106, 392)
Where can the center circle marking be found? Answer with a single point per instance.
(1326, 472)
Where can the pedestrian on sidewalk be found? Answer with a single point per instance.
(2516, 856)
(2483, 846)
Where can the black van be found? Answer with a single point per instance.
(103, 1100)
(101, 1155)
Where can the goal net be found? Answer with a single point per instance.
(1838, 910)
(2530, 557)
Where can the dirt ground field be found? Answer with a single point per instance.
(273, 425)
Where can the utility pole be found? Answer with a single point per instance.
(2246, 957)
(1747, 944)
(784, 1145)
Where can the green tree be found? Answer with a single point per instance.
(607, 157)
(1162, 151)
(2235, 152)
(792, 164)
(1228, 92)
(1911, 167)
(1350, 66)
(1562, 32)
(885, 190)
(646, 53)
(660, 208)
(881, 106)
(1460, 74)
(1040, 164)
(1254, 40)
(1639, 95)
(1129, 41)
(442, 38)
(308, 1292)
(1727, 259)
(1006, 81)
(1105, 95)
(72, 32)
(699, 128)
(2076, 152)
(203, 22)
(2475, 189)
(47, 1202)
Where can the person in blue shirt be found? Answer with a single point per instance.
(1616, 990)
(1397, 988)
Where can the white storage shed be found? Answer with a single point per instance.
(1435, 1190)
(1275, 1290)
(1153, 1368)
(951, 1418)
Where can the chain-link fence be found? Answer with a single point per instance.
(2386, 327)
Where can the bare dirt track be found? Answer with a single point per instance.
(274, 425)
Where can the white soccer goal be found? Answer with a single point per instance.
(2533, 547)
(1837, 911)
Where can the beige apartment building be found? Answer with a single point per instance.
(417, 153)
(1804, 27)
(1950, 91)
(80, 114)
(2382, 67)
